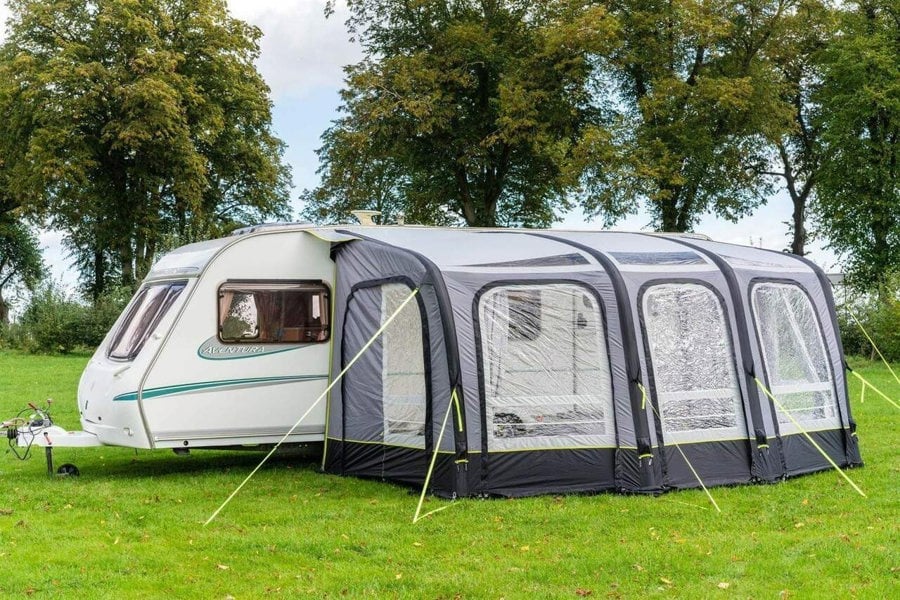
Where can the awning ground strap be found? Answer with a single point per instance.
(871, 341)
(677, 447)
(454, 399)
(866, 383)
(314, 404)
(808, 437)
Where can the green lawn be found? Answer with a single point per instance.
(131, 526)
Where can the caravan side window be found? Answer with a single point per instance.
(274, 312)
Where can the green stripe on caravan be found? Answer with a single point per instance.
(185, 388)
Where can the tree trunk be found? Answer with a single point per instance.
(799, 197)
(99, 279)
(798, 241)
(146, 252)
(487, 212)
(126, 258)
(669, 214)
(4, 312)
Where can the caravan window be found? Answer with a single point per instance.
(692, 358)
(794, 355)
(546, 372)
(274, 312)
(148, 307)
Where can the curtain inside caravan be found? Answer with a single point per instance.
(545, 368)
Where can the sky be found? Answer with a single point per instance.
(302, 58)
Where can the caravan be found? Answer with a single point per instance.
(527, 362)
(222, 345)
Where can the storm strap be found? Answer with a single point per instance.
(340, 376)
(871, 341)
(866, 383)
(681, 452)
(454, 401)
(807, 436)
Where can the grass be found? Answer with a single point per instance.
(131, 526)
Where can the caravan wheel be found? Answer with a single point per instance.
(68, 470)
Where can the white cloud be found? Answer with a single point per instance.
(301, 50)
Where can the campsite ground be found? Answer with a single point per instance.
(131, 526)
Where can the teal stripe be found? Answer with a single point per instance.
(173, 390)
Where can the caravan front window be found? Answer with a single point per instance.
(147, 310)
(274, 312)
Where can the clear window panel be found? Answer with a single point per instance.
(795, 358)
(692, 357)
(546, 370)
(403, 369)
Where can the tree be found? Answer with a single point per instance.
(694, 105)
(356, 175)
(807, 30)
(859, 185)
(20, 260)
(462, 110)
(133, 125)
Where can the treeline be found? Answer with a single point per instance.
(135, 127)
(511, 113)
(130, 127)
(55, 323)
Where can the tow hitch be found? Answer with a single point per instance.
(34, 426)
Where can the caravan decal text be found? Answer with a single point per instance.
(213, 349)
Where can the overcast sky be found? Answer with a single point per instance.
(302, 55)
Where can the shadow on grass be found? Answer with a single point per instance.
(97, 464)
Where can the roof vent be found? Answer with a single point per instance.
(366, 217)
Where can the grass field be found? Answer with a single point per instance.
(131, 526)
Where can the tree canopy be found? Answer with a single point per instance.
(462, 110)
(695, 104)
(20, 260)
(137, 125)
(512, 112)
(134, 126)
(796, 57)
(858, 207)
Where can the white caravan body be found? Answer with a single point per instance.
(168, 376)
